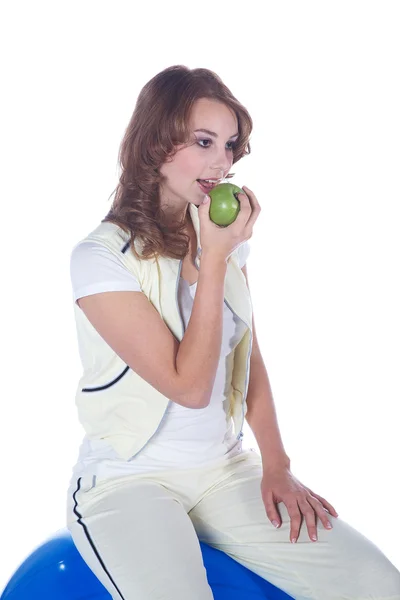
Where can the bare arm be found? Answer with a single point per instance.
(184, 372)
(199, 350)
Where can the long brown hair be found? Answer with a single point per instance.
(158, 124)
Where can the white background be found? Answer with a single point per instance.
(321, 81)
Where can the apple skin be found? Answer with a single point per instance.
(224, 206)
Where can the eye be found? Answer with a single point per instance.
(232, 144)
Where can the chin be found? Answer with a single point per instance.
(195, 201)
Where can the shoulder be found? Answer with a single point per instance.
(98, 262)
(106, 234)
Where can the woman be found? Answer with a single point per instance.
(170, 368)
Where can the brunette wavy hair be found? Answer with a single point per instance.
(159, 123)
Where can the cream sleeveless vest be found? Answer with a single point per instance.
(114, 403)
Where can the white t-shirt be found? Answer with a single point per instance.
(186, 437)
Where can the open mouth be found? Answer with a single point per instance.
(206, 185)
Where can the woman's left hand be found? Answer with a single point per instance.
(280, 485)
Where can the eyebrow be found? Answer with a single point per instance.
(213, 134)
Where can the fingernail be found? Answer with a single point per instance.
(293, 540)
(275, 523)
(314, 537)
(329, 525)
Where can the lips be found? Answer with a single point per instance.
(205, 187)
(206, 183)
(210, 183)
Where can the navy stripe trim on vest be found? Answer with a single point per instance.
(107, 385)
(85, 529)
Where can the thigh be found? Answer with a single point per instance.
(342, 564)
(139, 541)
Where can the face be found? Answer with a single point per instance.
(204, 157)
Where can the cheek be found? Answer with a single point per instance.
(190, 163)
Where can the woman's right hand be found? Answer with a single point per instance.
(222, 241)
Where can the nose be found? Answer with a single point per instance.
(221, 165)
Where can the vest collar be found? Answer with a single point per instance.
(194, 214)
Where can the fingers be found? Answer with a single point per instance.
(295, 520)
(306, 507)
(248, 213)
(271, 510)
(310, 518)
(319, 509)
(254, 207)
(325, 504)
(296, 510)
(245, 209)
(310, 508)
(204, 206)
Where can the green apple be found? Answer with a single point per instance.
(224, 205)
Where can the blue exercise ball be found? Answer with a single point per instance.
(56, 571)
